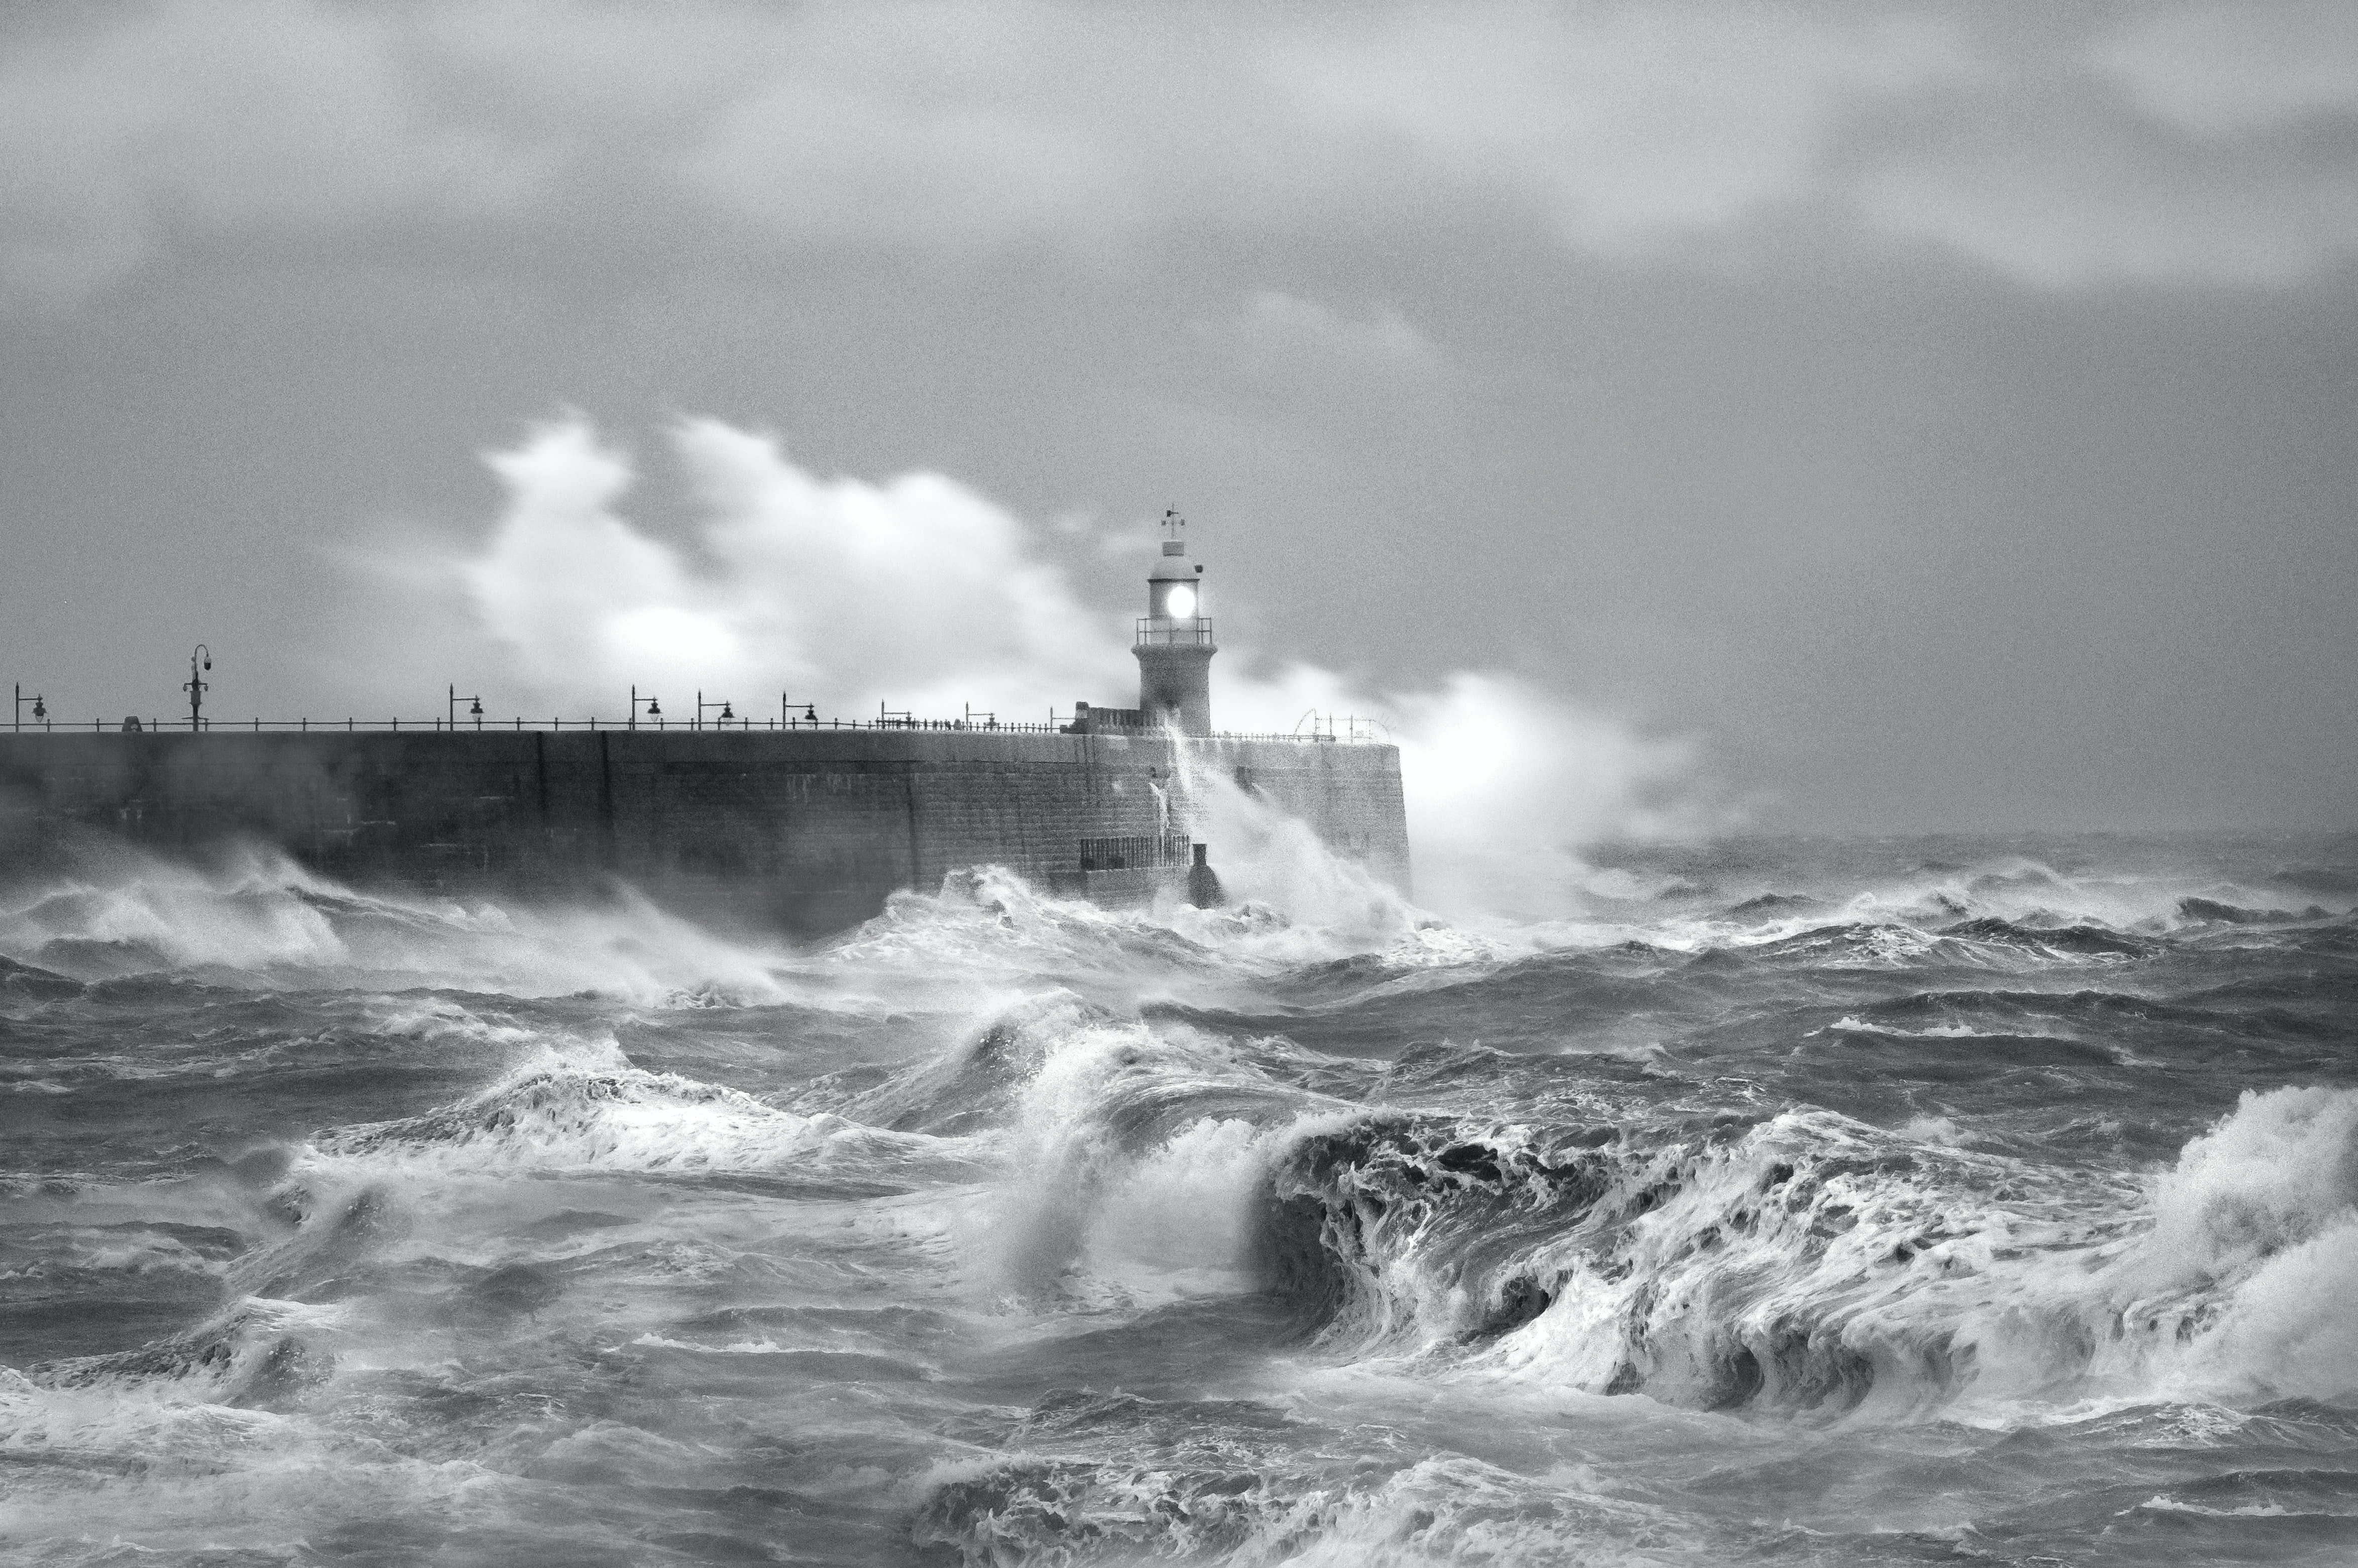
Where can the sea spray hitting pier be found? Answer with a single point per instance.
(803, 825)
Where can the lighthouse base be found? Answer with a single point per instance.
(1175, 686)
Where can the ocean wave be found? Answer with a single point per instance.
(263, 919)
(988, 920)
(36, 984)
(256, 1355)
(558, 1118)
(1134, 1155)
(1272, 1508)
(1808, 1263)
(2209, 909)
(987, 923)
(2078, 940)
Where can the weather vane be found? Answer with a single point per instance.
(1173, 522)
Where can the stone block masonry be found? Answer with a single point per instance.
(802, 832)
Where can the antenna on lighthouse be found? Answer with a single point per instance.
(1173, 522)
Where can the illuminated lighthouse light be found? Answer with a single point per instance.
(1182, 602)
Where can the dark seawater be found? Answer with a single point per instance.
(1889, 1202)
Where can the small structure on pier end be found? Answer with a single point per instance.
(1174, 646)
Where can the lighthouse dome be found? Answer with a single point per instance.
(1172, 564)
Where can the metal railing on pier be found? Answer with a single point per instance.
(487, 725)
(518, 723)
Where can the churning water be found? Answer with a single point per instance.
(1805, 1203)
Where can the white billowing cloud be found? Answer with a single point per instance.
(921, 594)
(938, 134)
(918, 594)
(928, 591)
(581, 595)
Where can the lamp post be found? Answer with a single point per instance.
(726, 716)
(786, 711)
(474, 709)
(198, 686)
(654, 708)
(40, 711)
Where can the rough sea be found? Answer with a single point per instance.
(1887, 1202)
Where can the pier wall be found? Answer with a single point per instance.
(799, 831)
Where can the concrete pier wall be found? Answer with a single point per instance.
(800, 831)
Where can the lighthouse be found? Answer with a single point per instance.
(1174, 646)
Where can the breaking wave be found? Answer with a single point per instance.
(560, 1118)
(1807, 1263)
(263, 919)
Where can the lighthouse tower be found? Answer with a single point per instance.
(1175, 640)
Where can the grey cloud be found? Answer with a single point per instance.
(1621, 125)
(2201, 145)
(828, 163)
(2222, 147)
(221, 116)
(1076, 129)
(2104, 207)
(1277, 328)
(2206, 144)
(2223, 69)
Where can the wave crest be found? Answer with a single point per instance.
(559, 1118)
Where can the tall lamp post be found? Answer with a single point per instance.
(474, 709)
(198, 685)
(16, 721)
(726, 716)
(654, 708)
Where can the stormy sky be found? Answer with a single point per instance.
(1885, 417)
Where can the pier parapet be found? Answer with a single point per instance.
(804, 831)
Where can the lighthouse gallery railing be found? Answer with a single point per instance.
(1174, 631)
